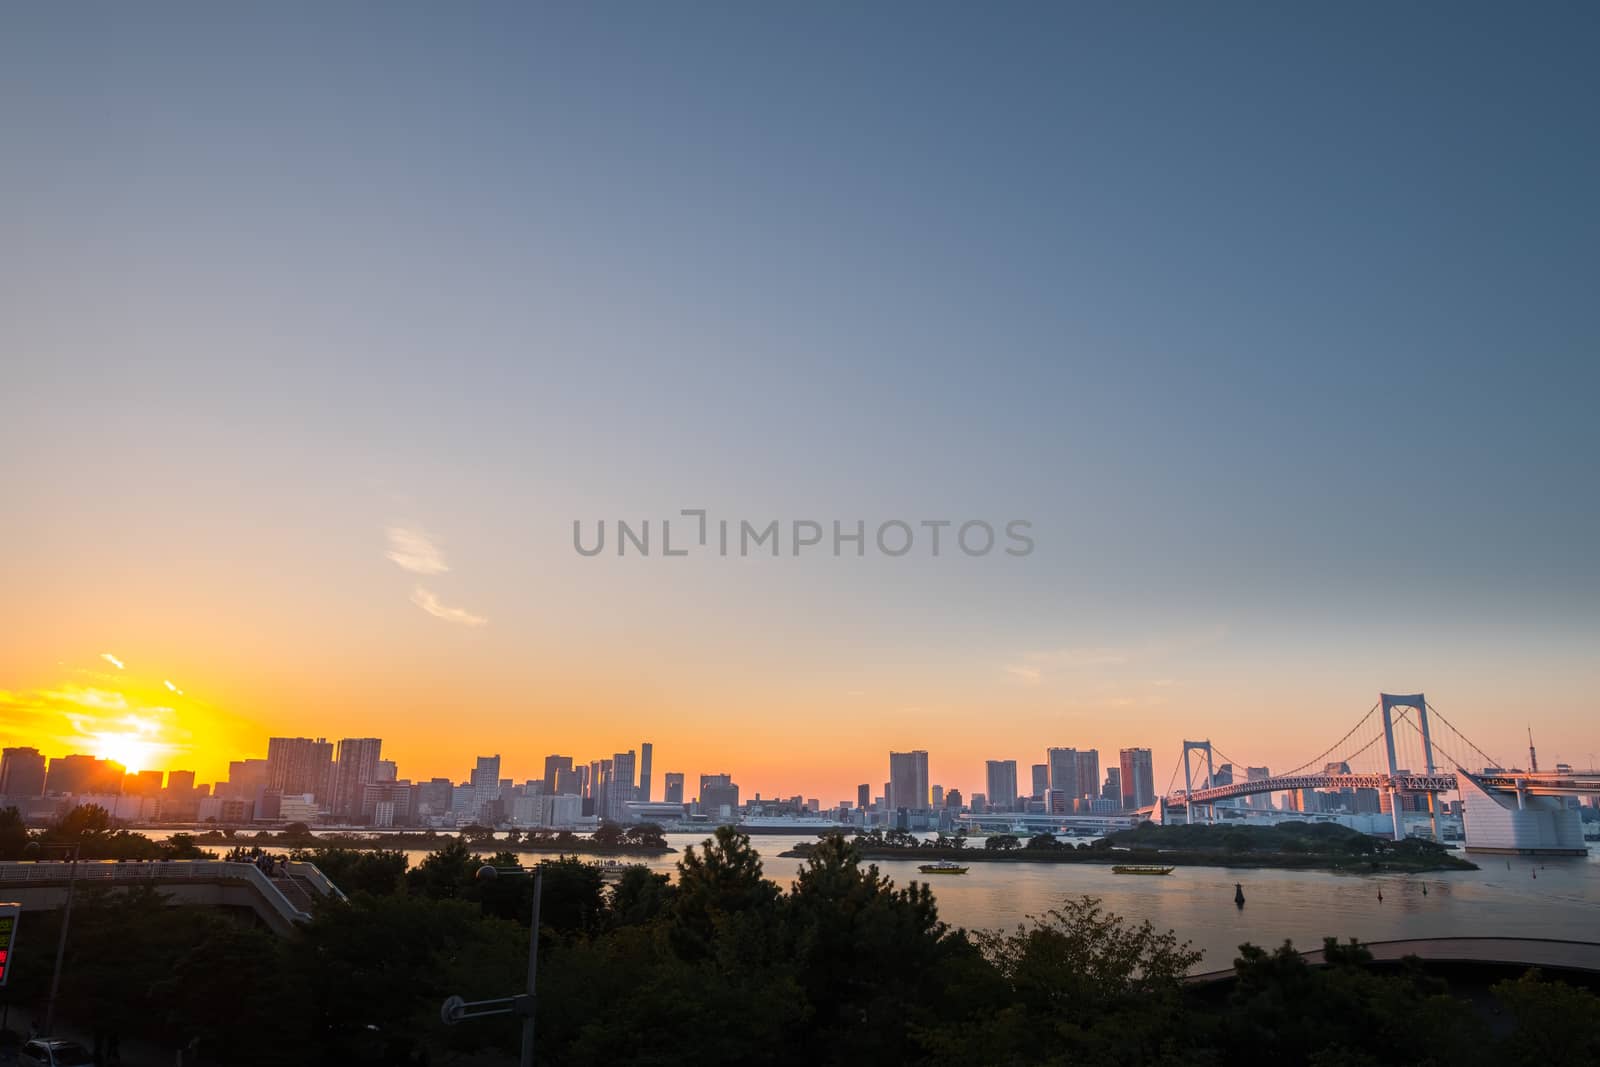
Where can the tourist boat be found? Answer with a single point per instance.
(942, 867)
(1140, 868)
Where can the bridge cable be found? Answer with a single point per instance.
(1322, 758)
(1489, 761)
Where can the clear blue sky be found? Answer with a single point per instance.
(1279, 323)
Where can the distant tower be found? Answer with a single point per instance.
(1533, 757)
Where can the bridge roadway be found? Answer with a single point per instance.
(1541, 952)
(1551, 783)
(282, 903)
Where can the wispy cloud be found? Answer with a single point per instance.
(425, 600)
(1033, 667)
(114, 661)
(413, 550)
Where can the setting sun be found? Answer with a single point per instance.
(134, 752)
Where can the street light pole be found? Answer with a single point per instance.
(455, 1009)
(533, 967)
(61, 946)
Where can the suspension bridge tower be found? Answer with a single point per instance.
(1418, 703)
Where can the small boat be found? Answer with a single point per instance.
(1140, 868)
(943, 867)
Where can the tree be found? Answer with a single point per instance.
(13, 834)
(1043, 841)
(1001, 843)
(723, 879)
(1556, 1023)
(608, 834)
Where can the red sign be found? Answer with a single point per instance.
(9, 913)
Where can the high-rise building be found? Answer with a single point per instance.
(1064, 771)
(952, 800)
(673, 787)
(1041, 780)
(1112, 790)
(554, 767)
(1088, 771)
(908, 780)
(938, 797)
(80, 774)
(22, 772)
(1138, 778)
(388, 771)
(1001, 783)
(486, 778)
(646, 750)
(1259, 801)
(355, 767)
(719, 796)
(247, 778)
(863, 796)
(299, 765)
(623, 787)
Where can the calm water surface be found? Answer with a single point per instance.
(1548, 897)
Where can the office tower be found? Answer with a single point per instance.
(674, 787)
(297, 765)
(1088, 771)
(646, 750)
(1064, 771)
(554, 767)
(21, 772)
(908, 780)
(579, 779)
(863, 796)
(938, 797)
(952, 800)
(180, 782)
(719, 796)
(247, 778)
(486, 778)
(1041, 779)
(80, 774)
(355, 766)
(388, 771)
(432, 797)
(1259, 801)
(1001, 783)
(1138, 778)
(1112, 790)
(623, 787)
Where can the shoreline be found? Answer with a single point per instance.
(1331, 863)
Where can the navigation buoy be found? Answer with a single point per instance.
(1380, 896)
(1424, 890)
(1238, 895)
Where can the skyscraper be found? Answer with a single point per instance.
(22, 772)
(83, 774)
(553, 768)
(1112, 790)
(1088, 771)
(621, 789)
(863, 796)
(486, 778)
(908, 780)
(673, 787)
(1001, 780)
(646, 750)
(355, 767)
(1138, 778)
(1041, 780)
(719, 796)
(297, 765)
(1064, 772)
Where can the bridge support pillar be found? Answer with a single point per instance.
(1395, 805)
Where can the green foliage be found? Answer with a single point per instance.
(13, 834)
(1001, 843)
(1555, 1022)
(380, 873)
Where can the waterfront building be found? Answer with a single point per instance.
(22, 772)
(908, 780)
(673, 787)
(1138, 778)
(1001, 781)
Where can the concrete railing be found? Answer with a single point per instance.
(1515, 951)
(135, 872)
(317, 880)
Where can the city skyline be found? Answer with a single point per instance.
(316, 353)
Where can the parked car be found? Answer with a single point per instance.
(52, 1052)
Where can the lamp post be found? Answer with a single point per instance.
(455, 1009)
(61, 945)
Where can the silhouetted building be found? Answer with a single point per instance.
(356, 767)
(673, 787)
(646, 751)
(1138, 778)
(22, 772)
(80, 774)
(1001, 780)
(1064, 771)
(863, 796)
(1041, 780)
(719, 796)
(908, 780)
(299, 765)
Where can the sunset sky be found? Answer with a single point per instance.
(320, 326)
